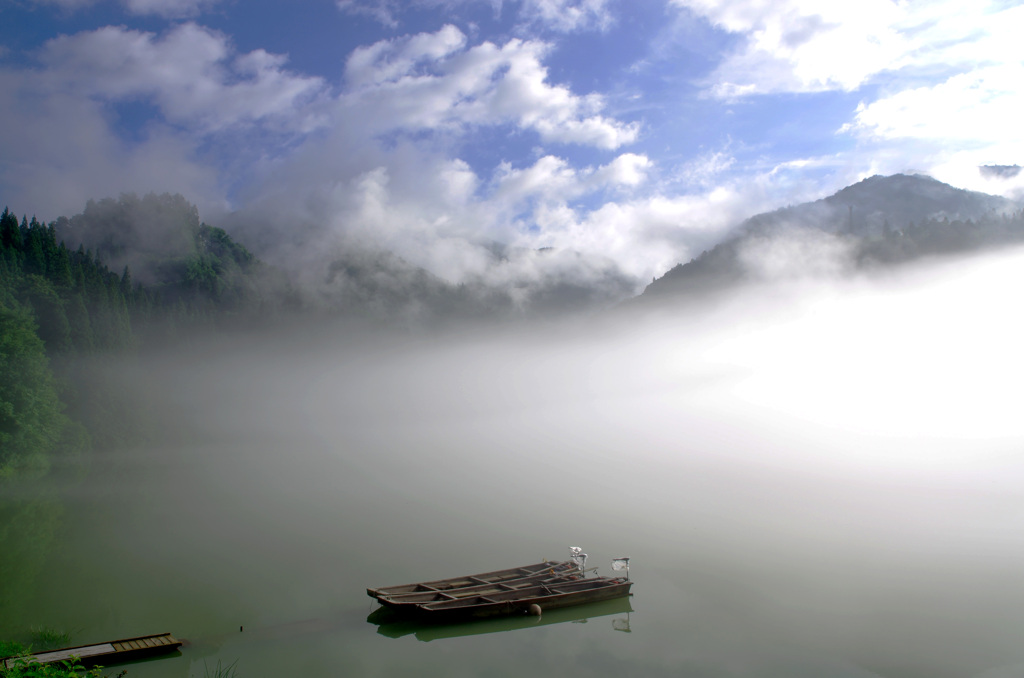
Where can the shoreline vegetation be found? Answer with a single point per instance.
(43, 639)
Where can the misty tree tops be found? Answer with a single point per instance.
(57, 301)
(76, 302)
(94, 280)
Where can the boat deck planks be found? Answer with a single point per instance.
(485, 578)
(514, 591)
(127, 649)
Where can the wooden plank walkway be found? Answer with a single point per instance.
(114, 652)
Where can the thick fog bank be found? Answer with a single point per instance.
(833, 466)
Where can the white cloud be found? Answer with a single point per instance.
(568, 15)
(802, 45)
(59, 152)
(704, 170)
(171, 9)
(438, 213)
(563, 16)
(58, 126)
(191, 73)
(382, 11)
(391, 60)
(646, 235)
(552, 179)
(965, 121)
(815, 45)
(430, 81)
(980, 105)
(628, 169)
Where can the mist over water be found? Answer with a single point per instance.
(821, 477)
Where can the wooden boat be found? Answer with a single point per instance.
(501, 593)
(474, 585)
(453, 585)
(104, 654)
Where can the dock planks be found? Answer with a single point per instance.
(114, 652)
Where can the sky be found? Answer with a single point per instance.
(633, 134)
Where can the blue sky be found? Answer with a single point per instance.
(633, 134)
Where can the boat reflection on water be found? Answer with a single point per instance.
(394, 625)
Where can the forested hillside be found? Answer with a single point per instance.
(59, 303)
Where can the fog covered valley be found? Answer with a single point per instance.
(814, 466)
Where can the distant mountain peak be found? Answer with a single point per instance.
(881, 219)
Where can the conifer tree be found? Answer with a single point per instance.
(31, 421)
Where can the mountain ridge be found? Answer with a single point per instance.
(877, 221)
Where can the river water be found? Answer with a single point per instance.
(821, 481)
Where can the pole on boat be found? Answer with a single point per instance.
(578, 557)
(621, 564)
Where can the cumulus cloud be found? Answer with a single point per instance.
(191, 72)
(966, 107)
(60, 123)
(801, 45)
(816, 45)
(552, 179)
(646, 235)
(366, 163)
(465, 226)
(59, 151)
(432, 81)
(391, 60)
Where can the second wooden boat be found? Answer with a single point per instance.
(529, 600)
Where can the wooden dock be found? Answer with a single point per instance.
(104, 654)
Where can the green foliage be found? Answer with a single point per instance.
(64, 304)
(21, 666)
(219, 671)
(79, 305)
(49, 638)
(42, 297)
(31, 418)
(936, 237)
(179, 274)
